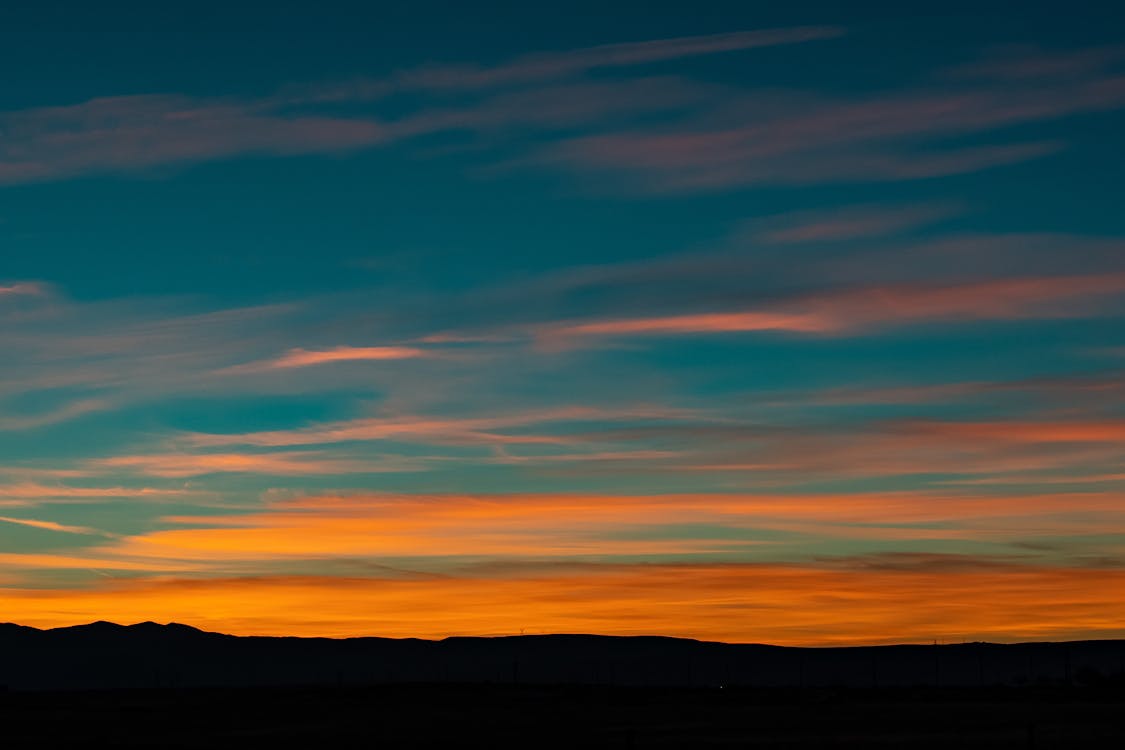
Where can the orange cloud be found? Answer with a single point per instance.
(279, 464)
(784, 604)
(709, 323)
(308, 358)
(862, 308)
(563, 563)
(83, 560)
(570, 527)
(1102, 431)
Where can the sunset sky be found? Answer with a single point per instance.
(798, 323)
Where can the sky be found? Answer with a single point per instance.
(795, 323)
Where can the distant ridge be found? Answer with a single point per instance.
(105, 655)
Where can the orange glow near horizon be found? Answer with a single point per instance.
(787, 605)
(377, 527)
(786, 569)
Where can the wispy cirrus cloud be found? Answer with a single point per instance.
(885, 448)
(846, 224)
(1029, 62)
(308, 358)
(140, 132)
(673, 133)
(22, 288)
(552, 65)
(122, 350)
(749, 281)
(39, 491)
(63, 413)
(552, 525)
(703, 166)
(470, 430)
(446, 533)
(1094, 431)
(851, 311)
(292, 463)
(53, 526)
(883, 137)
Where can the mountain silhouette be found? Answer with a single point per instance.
(104, 655)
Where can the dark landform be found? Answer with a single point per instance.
(530, 717)
(104, 655)
(172, 686)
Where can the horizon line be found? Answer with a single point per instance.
(686, 639)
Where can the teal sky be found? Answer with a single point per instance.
(493, 295)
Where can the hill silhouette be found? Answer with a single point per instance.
(104, 655)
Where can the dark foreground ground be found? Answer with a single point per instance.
(492, 716)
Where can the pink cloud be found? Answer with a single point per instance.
(112, 134)
(701, 323)
(176, 465)
(1091, 431)
(857, 309)
(543, 66)
(1028, 63)
(23, 288)
(1078, 448)
(308, 358)
(878, 138)
(847, 224)
(138, 132)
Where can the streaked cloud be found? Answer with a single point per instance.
(844, 603)
(53, 526)
(705, 323)
(440, 533)
(1015, 62)
(55, 416)
(308, 358)
(888, 136)
(438, 430)
(176, 465)
(138, 132)
(853, 310)
(558, 64)
(714, 136)
(851, 223)
(37, 491)
(23, 288)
